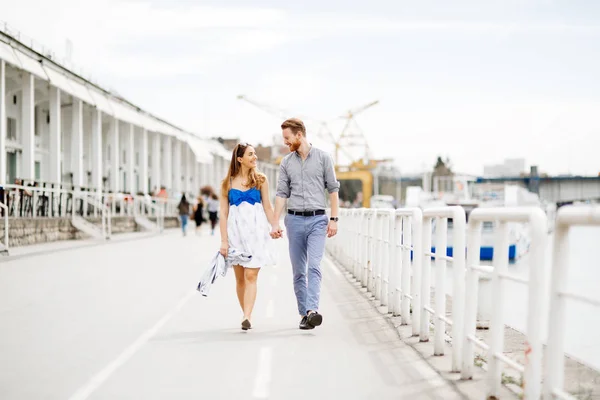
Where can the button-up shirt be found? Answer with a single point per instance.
(304, 183)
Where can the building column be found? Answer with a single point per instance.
(77, 143)
(114, 156)
(144, 163)
(189, 168)
(199, 177)
(3, 123)
(177, 166)
(155, 179)
(55, 136)
(168, 163)
(28, 126)
(97, 150)
(131, 160)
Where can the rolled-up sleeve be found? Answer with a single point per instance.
(331, 182)
(283, 183)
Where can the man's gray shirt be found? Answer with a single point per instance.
(304, 183)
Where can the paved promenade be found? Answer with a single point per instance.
(123, 321)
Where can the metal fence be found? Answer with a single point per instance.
(390, 253)
(566, 218)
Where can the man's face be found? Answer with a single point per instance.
(291, 140)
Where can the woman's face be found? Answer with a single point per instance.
(249, 159)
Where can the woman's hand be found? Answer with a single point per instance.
(224, 248)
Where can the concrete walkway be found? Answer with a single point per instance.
(123, 321)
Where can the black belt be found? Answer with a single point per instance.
(307, 213)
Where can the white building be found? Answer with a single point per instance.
(60, 129)
(510, 167)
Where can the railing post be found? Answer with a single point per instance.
(357, 226)
(555, 364)
(500, 263)
(393, 264)
(371, 247)
(441, 240)
(537, 304)
(458, 285)
(364, 268)
(377, 257)
(471, 289)
(397, 275)
(405, 279)
(425, 279)
(386, 261)
(417, 255)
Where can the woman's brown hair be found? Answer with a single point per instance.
(255, 178)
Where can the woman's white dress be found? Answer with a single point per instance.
(248, 228)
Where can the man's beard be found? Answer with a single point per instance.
(294, 146)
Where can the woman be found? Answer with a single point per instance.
(184, 212)
(246, 220)
(198, 214)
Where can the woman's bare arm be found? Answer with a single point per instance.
(266, 201)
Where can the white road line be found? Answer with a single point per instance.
(263, 374)
(85, 391)
(333, 268)
(270, 309)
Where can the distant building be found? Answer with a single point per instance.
(510, 167)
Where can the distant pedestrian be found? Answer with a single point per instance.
(213, 211)
(184, 212)
(199, 214)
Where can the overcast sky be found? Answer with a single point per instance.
(474, 81)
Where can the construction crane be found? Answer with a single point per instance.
(352, 136)
(324, 132)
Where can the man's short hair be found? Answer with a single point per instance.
(295, 125)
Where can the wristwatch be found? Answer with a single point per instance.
(334, 219)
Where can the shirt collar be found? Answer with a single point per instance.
(309, 151)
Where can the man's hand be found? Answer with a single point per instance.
(276, 232)
(332, 229)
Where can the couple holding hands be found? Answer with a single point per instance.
(249, 221)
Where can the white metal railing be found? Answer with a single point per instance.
(537, 221)
(375, 246)
(35, 201)
(94, 200)
(441, 215)
(6, 228)
(566, 217)
(144, 206)
(406, 241)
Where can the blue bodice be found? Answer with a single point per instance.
(237, 197)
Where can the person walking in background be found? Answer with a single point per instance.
(198, 214)
(184, 212)
(213, 211)
(304, 176)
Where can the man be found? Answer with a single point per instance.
(304, 176)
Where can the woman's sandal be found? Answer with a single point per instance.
(246, 325)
